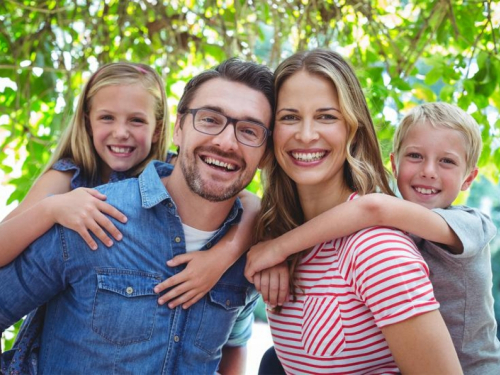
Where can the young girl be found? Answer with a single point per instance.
(120, 124)
(361, 303)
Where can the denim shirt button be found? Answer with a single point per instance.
(176, 338)
(177, 239)
(170, 205)
(129, 290)
(228, 303)
(209, 245)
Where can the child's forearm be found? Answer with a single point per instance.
(18, 231)
(366, 211)
(239, 238)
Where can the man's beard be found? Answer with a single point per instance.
(198, 186)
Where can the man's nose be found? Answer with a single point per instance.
(226, 140)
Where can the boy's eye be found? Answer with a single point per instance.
(448, 161)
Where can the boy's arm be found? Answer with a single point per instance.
(233, 361)
(49, 202)
(347, 218)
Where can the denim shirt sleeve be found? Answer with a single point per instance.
(242, 329)
(32, 278)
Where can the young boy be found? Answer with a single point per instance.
(436, 148)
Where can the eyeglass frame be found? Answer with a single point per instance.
(229, 121)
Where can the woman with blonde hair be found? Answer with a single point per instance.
(361, 303)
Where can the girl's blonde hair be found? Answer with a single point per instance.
(76, 142)
(364, 171)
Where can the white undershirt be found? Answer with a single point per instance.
(195, 238)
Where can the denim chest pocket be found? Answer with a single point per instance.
(125, 305)
(322, 327)
(220, 310)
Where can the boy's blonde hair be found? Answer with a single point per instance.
(443, 115)
(76, 142)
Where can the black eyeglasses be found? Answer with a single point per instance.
(249, 133)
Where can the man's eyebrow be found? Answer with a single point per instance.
(245, 118)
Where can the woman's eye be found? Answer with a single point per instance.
(288, 118)
(327, 117)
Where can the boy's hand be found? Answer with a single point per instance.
(83, 210)
(273, 284)
(202, 272)
(261, 256)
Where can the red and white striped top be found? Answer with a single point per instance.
(347, 290)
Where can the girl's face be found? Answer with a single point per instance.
(310, 133)
(122, 121)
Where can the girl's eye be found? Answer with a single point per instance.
(106, 117)
(138, 120)
(414, 155)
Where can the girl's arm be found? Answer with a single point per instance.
(347, 218)
(422, 345)
(50, 201)
(205, 268)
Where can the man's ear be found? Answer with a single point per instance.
(394, 166)
(468, 181)
(178, 130)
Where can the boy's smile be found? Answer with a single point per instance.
(430, 169)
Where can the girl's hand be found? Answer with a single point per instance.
(273, 284)
(202, 272)
(84, 210)
(263, 255)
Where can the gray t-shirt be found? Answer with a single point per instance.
(462, 285)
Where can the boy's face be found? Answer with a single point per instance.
(431, 166)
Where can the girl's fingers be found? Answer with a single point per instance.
(88, 239)
(193, 300)
(111, 211)
(106, 224)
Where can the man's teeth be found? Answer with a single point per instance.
(121, 150)
(218, 163)
(426, 191)
(310, 156)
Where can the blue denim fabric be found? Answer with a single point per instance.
(102, 315)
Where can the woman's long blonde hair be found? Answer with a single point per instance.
(364, 171)
(76, 142)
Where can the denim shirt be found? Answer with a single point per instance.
(102, 314)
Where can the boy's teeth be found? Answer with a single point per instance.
(309, 156)
(121, 150)
(426, 191)
(218, 163)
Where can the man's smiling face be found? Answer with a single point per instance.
(218, 167)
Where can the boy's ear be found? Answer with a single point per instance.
(178, 130)
(468, 181)
(394, 166)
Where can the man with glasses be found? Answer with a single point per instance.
(102, 314)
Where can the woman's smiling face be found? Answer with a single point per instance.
(310, 134)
